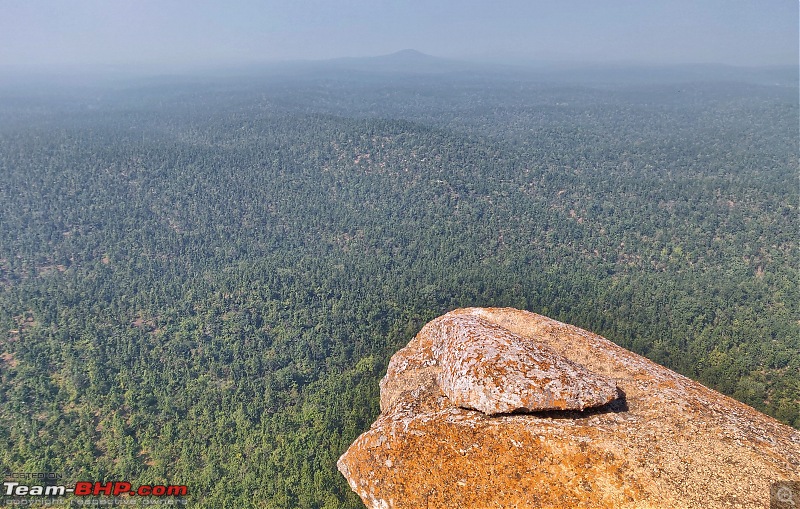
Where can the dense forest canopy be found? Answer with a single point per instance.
(202, 280)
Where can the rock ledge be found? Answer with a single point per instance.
(611, 428)
(485, 367)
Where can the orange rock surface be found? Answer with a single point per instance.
(661, 441)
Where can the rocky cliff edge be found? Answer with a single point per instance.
(506, 408)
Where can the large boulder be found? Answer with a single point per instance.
(506, 408)
(486, 367)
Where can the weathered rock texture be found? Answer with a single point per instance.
(652, 439)
(483, 366)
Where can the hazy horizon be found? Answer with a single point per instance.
(50, 35)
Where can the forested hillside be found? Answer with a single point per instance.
(202, 282)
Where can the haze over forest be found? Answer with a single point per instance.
(219, 221)
(150, 35)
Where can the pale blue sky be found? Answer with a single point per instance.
(42, 33)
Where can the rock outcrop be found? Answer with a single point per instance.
(486, 367)
(505, 408)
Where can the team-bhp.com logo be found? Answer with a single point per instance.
(84, 489)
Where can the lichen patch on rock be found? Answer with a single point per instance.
(483, 366)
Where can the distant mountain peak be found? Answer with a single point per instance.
(409, 53)
(410, 57)
(403, 61)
